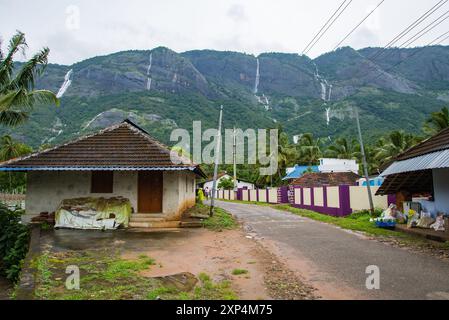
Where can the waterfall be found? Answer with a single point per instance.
(323, 90)
(66, 84)
(149, 80)
(256, 83)
(328, 112)
(326, 92)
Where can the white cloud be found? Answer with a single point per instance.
(251, 26)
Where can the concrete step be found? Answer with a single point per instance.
(145, 219)
(191, 224)
(155, 224)
(148, 215)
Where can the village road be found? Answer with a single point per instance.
(335, 261)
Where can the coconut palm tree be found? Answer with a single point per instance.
(437, 121)
(17, 93)
(9, 149)
(309, 149)
(344, 149)
(393, 145)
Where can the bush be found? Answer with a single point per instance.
(366, 214)
(14, 241)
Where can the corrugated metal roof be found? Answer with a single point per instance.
(298, 171)
(434, 160)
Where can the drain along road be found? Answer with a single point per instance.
(334, 260)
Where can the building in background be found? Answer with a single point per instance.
(327, 165)
(298, 171)
(240, 183)
(338, 165)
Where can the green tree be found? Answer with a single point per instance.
(309, 149)
(9, 149)
(393, 145)
(437, 121)
(342, 148)
(17, 93)
(226, 183)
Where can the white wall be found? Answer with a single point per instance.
(262, 195)
(273, 195)
(441, 189)
(333, 197)
(240, 184)
(46, 190)
(358, 196)
(338, 165)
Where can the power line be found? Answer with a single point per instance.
(407, 30)
(414, 39)
(414, 53)
(358, 25)
(327, 26)
(324, 26)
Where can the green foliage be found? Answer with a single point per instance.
(226, 183)
(209, 290)
(343, 148)
(9, 149)
(237, 272)
(437, 121)
(358, 222)
(220, 220)
(365, 214)
(14, 241)
(17, 93)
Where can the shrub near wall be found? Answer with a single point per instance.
(14, 241)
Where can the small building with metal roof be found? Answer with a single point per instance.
(422, 169)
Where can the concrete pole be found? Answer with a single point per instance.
(217, 158)
(365, 166)
(234, 160)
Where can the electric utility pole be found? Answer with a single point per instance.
(365, 166)
(234, 159)
(217, 158)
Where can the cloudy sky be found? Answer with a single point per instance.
(79, 29)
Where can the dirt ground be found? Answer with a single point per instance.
(196, 251)
(218, 254)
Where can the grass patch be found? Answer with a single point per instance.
(106, 276)
(359, 221)
(44, 274)
(355, 222)
(237, 272)
(209, 290)
(103, 275)
(221, 220)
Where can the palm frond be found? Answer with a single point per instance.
(16, 43)
(25, 78)
(13, 118)
(43, 97)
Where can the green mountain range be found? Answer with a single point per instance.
(162, 90)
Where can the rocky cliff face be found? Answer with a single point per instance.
(274, 88)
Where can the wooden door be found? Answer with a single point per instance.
(149, 192)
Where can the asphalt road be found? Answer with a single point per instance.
(335, 260)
